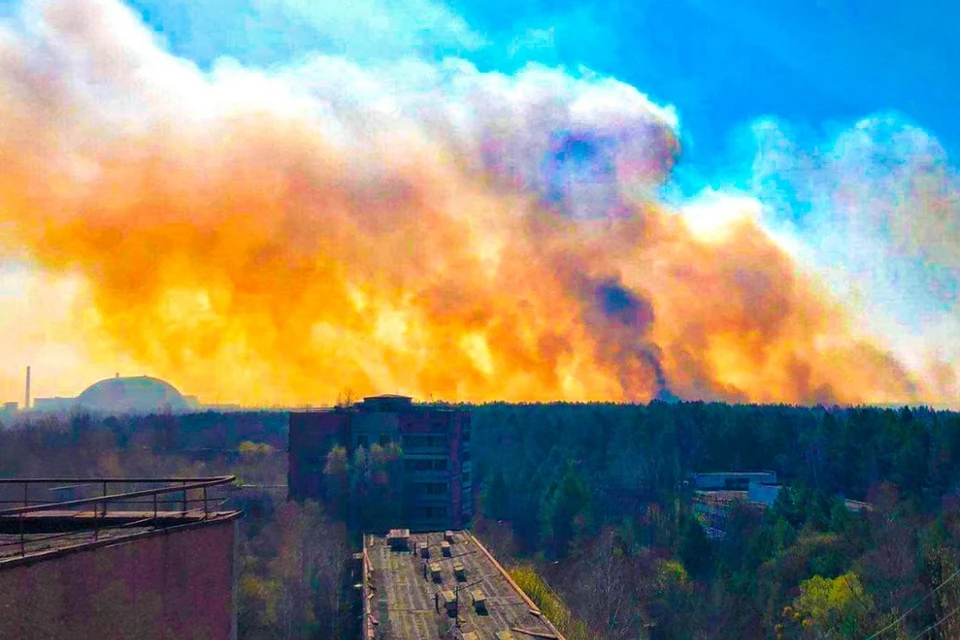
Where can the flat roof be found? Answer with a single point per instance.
(734, 473)
(400, 602)
(52, 533)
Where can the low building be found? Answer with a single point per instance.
(730, 480)
(412, 591)
(765, 494)
(712, 508)
(8, 412)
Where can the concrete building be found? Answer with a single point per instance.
(730, 480)
(131, 395)
(8, 412)
(435, 445)
(92, 567)
(442, 585)
(765, 494)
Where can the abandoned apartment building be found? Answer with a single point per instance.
(434, 439)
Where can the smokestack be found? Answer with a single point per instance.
(26, 403)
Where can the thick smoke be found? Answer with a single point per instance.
(887, 193)
(414, 227)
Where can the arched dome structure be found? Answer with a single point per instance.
(141, 394)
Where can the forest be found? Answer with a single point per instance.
(590, 507)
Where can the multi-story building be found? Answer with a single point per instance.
(435, 450)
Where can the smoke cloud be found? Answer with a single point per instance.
(412, 226)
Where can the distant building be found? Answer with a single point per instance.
(435, 445)
(730, 480)
(715, 493)
(53, 405)
(131, 395)
(8, 411)
(765, 494)
(141, 394)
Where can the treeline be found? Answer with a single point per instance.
(595, 496)
(592, 499)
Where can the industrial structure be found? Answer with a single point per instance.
(715, 494)
(107, 558)
(137, 395)
(442, 585)
(435, 448)
(730, 480)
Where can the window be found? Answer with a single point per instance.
(432, 489)
(466, 434)
(384, 440)
(433, 512)
(363, 441)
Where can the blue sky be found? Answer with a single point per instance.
(815, 63)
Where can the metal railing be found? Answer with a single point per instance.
(193, 491)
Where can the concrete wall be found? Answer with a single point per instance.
(733, 480)
(763, 493)
(175, 585)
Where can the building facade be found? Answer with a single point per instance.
(435, 449)
(92, 568)
(730, 480)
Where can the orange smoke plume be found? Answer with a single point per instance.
(428, 229)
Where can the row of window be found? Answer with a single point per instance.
(425, 465)
(430, 512)
(411, 441)
(431, 488)
(364, 441)
(420, 441)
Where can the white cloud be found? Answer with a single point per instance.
(379, 28)
(533, 42)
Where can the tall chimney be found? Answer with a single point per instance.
(26, 403)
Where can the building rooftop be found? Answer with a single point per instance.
(39, 528)
(399, 602)
(732, 474)
(60, 533)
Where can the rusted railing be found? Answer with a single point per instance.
(100, 503)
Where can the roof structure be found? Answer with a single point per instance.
(406, 598)
(37, 529)
(141, 394)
